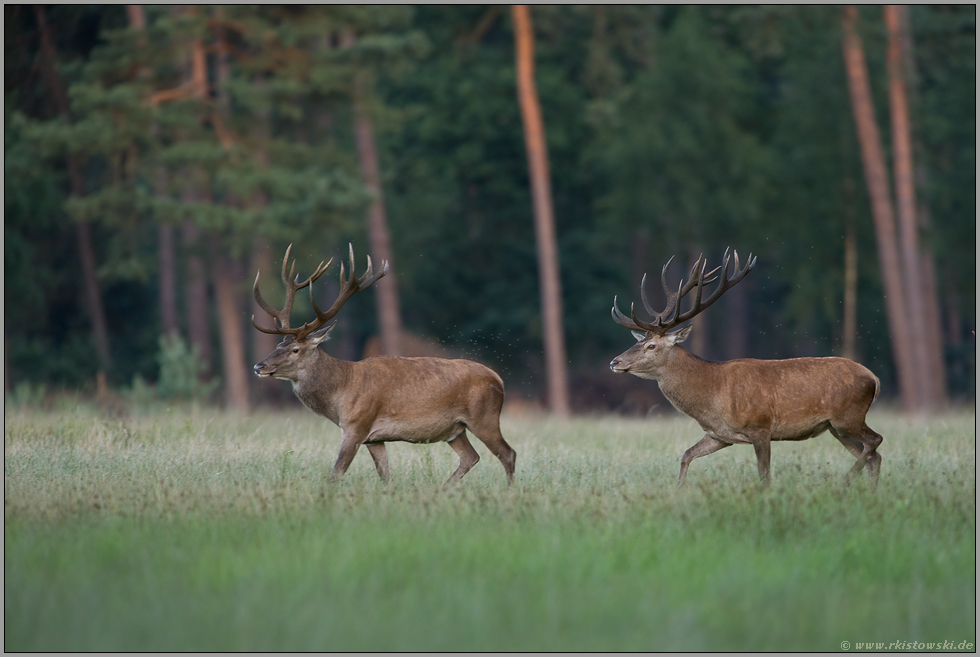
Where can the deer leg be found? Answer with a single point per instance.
(380, 456)
(494, 440)
(857, 449)
(705, 446)
(348, 449)
(468, 457)
(874, 467)
(762, 455)
(869, 455)
(851, 445)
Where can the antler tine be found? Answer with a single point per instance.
(265, 330)
(667, 290)
(643, 295)
(698, 279)
(349, 286)
(319, 272)
(285, 265)
(643, 289)
(697, 265)
(258, 297)
(632, 324)
(315, 275)
(669, 316)
(670, 313)
(701, 281)
(282, 316)
(726, 283)
(292, 284)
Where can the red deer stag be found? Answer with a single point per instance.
(748, 401)
(383, 399)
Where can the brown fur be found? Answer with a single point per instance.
(385, 399)
(757, 401)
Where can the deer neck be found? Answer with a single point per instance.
(688, 382)
(321, 385)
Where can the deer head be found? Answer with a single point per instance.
(649, 356)
(292, 356)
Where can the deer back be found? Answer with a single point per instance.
(788, 399)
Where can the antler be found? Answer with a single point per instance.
(348, 287)
(698, 278)
(291, 281)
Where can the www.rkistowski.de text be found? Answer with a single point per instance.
(908, 645)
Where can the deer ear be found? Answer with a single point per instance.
(639, 335)
(681, 335)
(322, 335)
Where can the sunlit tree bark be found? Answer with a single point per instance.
(906, 209)
(226, 271)
(556, 358)
(386, 289)
(918, 266)
(876, 177)
(849, 330)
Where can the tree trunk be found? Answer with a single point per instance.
(226, 271)
(848, 348)
(913, 214)
(906, 205)
(196, 294)
(168, 280)
(225, 274)
(386, 289)
(881, 208)
(83, 234)
(556, 358)
(136, 16)
(849, 332)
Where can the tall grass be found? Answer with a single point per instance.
(203, 531)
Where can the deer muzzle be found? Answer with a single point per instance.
(617, 366)
(260, 369)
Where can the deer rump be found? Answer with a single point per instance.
(418, 400)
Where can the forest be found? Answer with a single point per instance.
(157, 157)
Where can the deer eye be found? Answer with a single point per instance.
(651, 345)
(295, 350)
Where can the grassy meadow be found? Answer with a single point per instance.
(196, 530)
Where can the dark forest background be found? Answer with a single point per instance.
(182, 154)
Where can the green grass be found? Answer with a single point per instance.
(203, 531)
